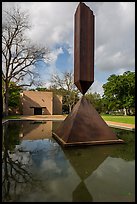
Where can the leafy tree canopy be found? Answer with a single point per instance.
(95, 100)
(14, 95)
(119, 91)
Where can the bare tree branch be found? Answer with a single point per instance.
(66, 84)
(19, 54)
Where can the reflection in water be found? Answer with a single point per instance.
(81, 194)
(87, 159)
(35, 130)
(126, 151)
(104, 169)
(15, 165)
(85, 163)
(47, 172)
(111, 179)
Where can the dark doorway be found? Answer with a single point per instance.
(37, 111)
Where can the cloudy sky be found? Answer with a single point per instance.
(53, 26)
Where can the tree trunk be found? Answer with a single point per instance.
(131, 111)
(125, 111)
(128, 111)
(70, 108)
(6, 101)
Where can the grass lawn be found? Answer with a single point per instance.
(11, 117)
(120, 119)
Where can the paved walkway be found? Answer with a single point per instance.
(43, 117)
(121, 125)
(62, 117)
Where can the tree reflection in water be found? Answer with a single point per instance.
(15, 164)
(39, 170)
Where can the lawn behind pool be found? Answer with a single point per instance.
(119, 119)
(12, 117)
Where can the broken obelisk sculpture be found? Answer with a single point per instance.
(84, 126)
(84, 48)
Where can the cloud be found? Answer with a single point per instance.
(96, 87)
(115, 35)
(53, 24)
(53, 56)
(47, 69)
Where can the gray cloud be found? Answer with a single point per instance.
(53, 24)
(115, 35)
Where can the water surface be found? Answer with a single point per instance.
(36, 168)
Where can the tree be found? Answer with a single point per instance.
(41, 89)
(128, 79)
(19, 55)
(111, 102)
(95, 100)
(119, 92)
(65, 86)
(14, 97)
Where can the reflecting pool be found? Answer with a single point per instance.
(36, 168)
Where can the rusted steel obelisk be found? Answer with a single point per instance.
(84, 126)
(84, 48)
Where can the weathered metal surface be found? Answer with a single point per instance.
(84, 48)
(84, 126)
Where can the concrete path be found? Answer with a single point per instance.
(121, 125)
(43, 117)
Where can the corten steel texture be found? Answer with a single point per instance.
(84, 126)
(83, 48)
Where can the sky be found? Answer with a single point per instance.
(52, 25)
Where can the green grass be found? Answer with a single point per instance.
(11, 117)
(120, 119)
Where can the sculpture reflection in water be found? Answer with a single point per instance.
(85, 165)
(75, 171)
(104, 163)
